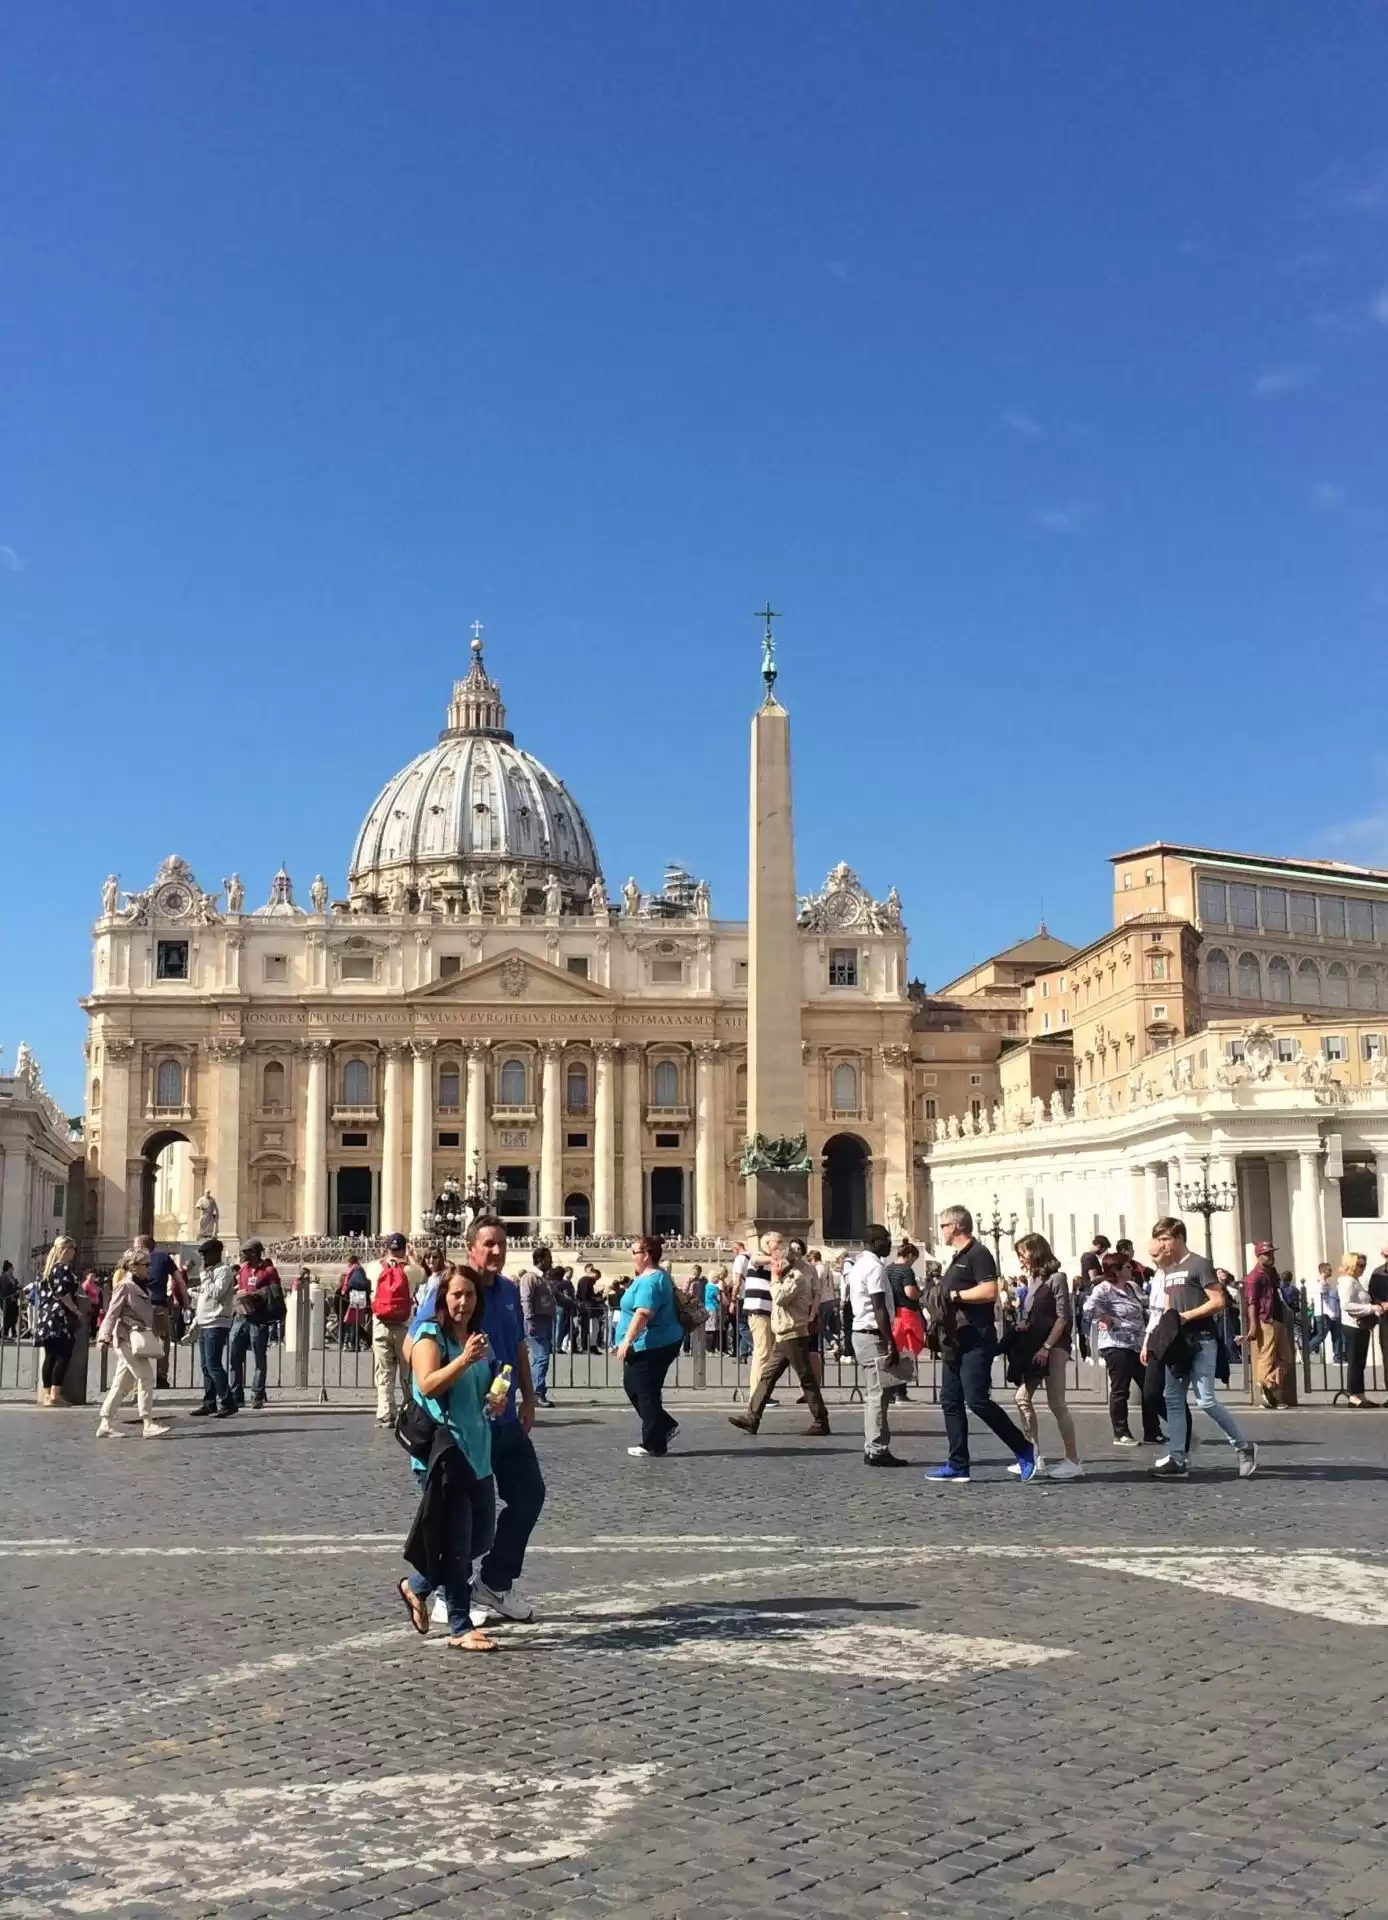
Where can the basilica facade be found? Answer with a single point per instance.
(475, 1007)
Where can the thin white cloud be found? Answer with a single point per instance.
(1067, 516)
(839, 269)
(1359, 187)
(1379, 307)
(1275, 381)
(1327, 497)
(1309, 264)
(10, 560)
(1019, 422)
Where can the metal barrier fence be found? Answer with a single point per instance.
(322, 1351)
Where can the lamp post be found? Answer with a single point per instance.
(445, 1217)
(1200, 1197)
(995, 1228)
(483, 1190)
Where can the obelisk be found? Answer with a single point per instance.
(775, 1158)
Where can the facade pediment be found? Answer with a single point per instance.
(512, 975)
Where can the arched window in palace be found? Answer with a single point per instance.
(511, 1085)
(1279, 978)
(1250, 977)
(168, 1084)
(1217, 973)
(844, 1088)
(356, 1084)
(450, 1086)
(576, 1087)
(1366, 988)
(1306, 984)
(96, 1092)
(1336, 990)
(272, 1086)
(665, 1084)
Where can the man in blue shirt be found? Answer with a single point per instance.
(520, 1485)
(161, 1266)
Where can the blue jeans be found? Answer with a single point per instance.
(521, 1485)
(254, 1334)
(966, 1372)
(1202, 1377)
(541, 1346)
(471, 1524)
(212, 1349)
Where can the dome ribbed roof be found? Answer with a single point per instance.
(475, 804)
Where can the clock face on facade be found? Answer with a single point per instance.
(173, 901)
(840, 909)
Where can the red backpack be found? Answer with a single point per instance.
(393, 1299)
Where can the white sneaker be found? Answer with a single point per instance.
(105, 1431)
(1065, 1470)
(438, 1613)
(511, 1605)
(638, 1453)
(154, 1429)
(1125, 1440)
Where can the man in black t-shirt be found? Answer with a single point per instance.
(968, 1289)
(1377, 1289)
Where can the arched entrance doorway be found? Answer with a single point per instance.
(845, 1190)
(166, 1189)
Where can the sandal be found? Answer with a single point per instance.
(414, 1606)
(474, 1642)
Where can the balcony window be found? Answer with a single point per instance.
(272, 1086)
(168, 1085)
(511, 1084)
(845, 1088)
(665, 1084)
(356, 1084)
(576, 1089)
(450, 1088)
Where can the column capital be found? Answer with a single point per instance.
(477, 1049)
(552, 1049)
(631, 1049)
(707, 1050)
(604, 1049)
(314, 1049)
(118, 1046)
(894, 1056)
(422, 1049)
(228, 1049)
(392, 1049)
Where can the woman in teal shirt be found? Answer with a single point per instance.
(649, 1338)
(457, 1518)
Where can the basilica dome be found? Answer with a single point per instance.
(472, 816)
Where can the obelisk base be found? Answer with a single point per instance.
(780, 1203)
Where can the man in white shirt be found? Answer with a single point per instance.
(874, 1347)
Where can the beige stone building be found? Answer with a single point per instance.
(1231, 1027)
(476, 1007)
(41, 1186)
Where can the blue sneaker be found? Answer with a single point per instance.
(1027, 1464)
(959, 1475)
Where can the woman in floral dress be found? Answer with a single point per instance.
(56, 1314)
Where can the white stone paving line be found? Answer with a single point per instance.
(1327, 1586)
(86, 1854)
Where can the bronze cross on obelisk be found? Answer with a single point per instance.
(768, 648)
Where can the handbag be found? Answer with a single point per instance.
(145, 1344)
(415, 1428)
(689, 1309)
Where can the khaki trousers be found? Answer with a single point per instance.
(134, 1374)
(763, 1350)
(1274, 1362)
(388, 1352)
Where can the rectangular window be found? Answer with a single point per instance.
(1272, 902)
(843, 967)
(975, 1079)
(932, 1109)
(1045, 989)
(1064, 1016)
(577, 965)
(1159, 1013)
(1371, 1046)
(930, 1079)
(1380, 922)
(1159, 966)
(449, 964)
(171, 960)
(59, 1200)
(358, 966)
(575, 1139)
(1302, 911)
(1213, 900)
(1046, 1023)
(740, 975)
(1333, 1046)
(976, 1109)
(1287, 1047)
(667, 1139)
(975, 1053)
(667, 973)
(1062, 983)
(1332, 916)
(450, 1140)
(1243, 907)
(1062, 1074)
(1233, 1051)
(276, 969)
(354, 1139)
(1359, 916)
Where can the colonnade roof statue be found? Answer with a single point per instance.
(471, 810)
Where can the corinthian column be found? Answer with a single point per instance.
(314, 1216)
(604, 1141)
(705, 1139)
(633, 1187)
(392, 1138)
(224, 1174)
(551, 1139)
(421, 1133)
(475, 1140)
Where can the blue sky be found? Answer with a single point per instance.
(1032, 360)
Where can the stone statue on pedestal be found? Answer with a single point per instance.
(209, 1214)
(597, 899)
(472, 887)
(554, 896)
(110, 894)
(631, 898)
(318, 893)
(236, 893)
(703, 901)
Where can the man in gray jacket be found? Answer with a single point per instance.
(213, 1323)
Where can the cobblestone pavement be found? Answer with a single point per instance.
(764, 1680)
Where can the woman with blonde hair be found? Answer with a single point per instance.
(128, 1326)
(1360, 1317)
(56, 1315)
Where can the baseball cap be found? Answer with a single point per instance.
(1264, 1246)
(396, 1243)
